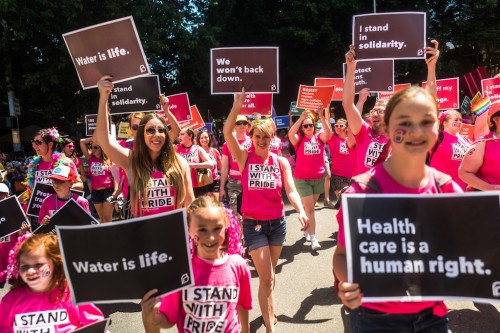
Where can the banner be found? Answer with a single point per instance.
(71, 214)
(282, 122)
(424, 247)
(126, 259)
(491, 88)
(473, 79)
(377, 75)
(100, 326)
(338, 83)
(40, 192)
(141, 94)
(397, 87)
(466, 104)
(389, 35)
(254, 68)
(208, 127)
(111, 48)
(447, 93)
(314, 97)
(257, 103)
(11, 216)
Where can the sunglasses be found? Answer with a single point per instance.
(58, 181)
(153, 130)
(241, 123)
(70, 146)
(96, 147)
(307, 125)
(135, 127)
(339, 126)
(36, 142)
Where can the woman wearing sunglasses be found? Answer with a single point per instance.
(103, 186)
(341, 169)
(309, 169)
(159, 178)
(68, 147)
(204, 139)
(263, 175)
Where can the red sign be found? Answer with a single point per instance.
(397, 87)
(447, 93)
(467, 130)
(491, 88)
(179, 106)
(337, 82)
(197, 121)
(311, 97)
(257, 103)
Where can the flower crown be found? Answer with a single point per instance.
(53, 133)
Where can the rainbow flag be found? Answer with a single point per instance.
(481, 106)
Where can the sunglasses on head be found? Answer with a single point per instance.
(153, 130)
(58, 181)
(307, 125)
(36, 142)
(135, 127)
(241, 123)
(339, 126)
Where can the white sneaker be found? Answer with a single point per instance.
(314, 244)
(307, 236)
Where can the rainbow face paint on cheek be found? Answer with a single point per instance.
(399, 135)
(45, 271)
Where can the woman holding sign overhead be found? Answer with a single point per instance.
(159, 179)
(263, 174)
(411, 124)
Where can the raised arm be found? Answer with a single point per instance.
(481, 126)
(84, 147)
(431, 67)
(109, 145)
(175, 128)
(292, 133)
(325, 124)
(351, 111)
(234, 147)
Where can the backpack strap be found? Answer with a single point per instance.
(367, 179)
(440, 179)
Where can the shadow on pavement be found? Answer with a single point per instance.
(110, 308)
(487, 319)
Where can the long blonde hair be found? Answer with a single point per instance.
(142, 166)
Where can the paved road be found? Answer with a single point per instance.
(305, 301)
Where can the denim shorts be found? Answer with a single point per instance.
(102, 196)
(264, 233)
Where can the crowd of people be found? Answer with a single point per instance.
(403, 145)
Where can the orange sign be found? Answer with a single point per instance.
(337, 82)
(196, 121)
(397, 87)
(467, 130)
(312, 97)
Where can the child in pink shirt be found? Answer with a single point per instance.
(226, 276)
(40, 300)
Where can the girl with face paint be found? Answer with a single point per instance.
(411, 123)
(41, 291)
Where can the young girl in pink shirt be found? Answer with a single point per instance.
(40, 299)
(214, 268)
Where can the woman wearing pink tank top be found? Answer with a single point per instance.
(264, 226)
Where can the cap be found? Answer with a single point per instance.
(242, 118)
(3, 188)
(494, 108)
(63, 172)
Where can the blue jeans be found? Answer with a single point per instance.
(364, 320)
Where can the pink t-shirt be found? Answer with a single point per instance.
(234, 171)
(161, 196)
(285, 145)
(43, 171)
(100, 174)
(490, 169)
(309, 160)
(22, 310)
(50, 205)
(6, 244)
(211, 305)
(192, 155)
(449, 155)
(369, 147)
(215, 157)
(261, 184)
(341, 161)
(387, 184)
(130, 144)
(275, 145)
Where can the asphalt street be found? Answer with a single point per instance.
(305, 300)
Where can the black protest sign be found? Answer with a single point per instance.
(252, 68)
(100, 326)
(71, 214)
(389, 35)
(137, 95)
(424, 247)
(111, 48)
(127, 258)
(377, 75)
(11, 216)
(91, 124)
(40, 192)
